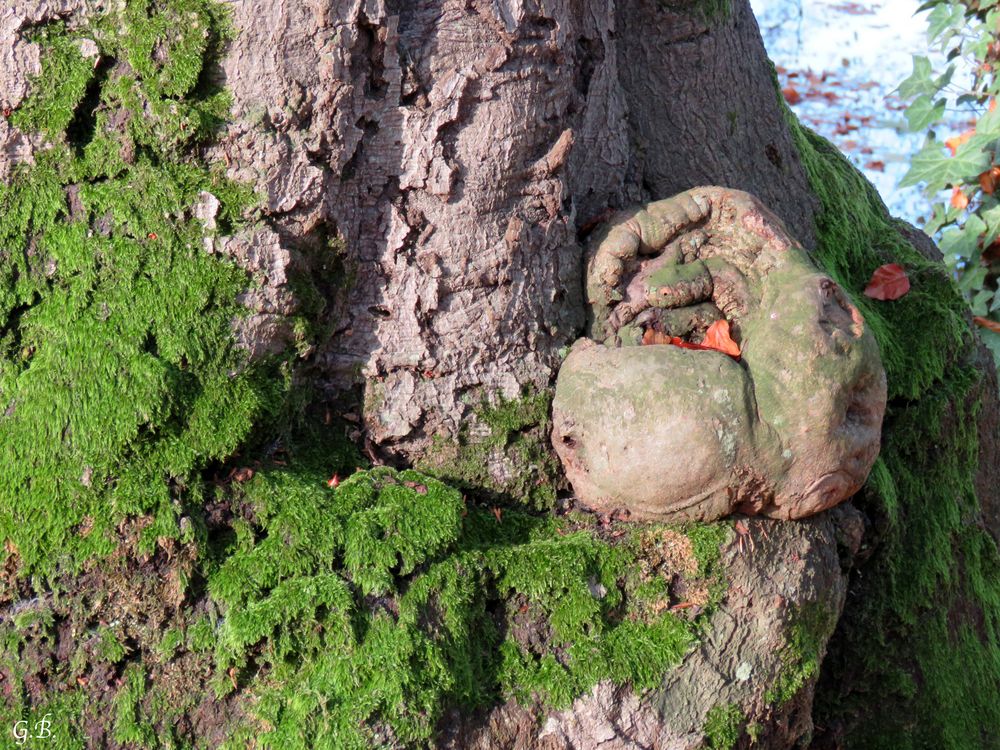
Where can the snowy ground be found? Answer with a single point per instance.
(838, 62)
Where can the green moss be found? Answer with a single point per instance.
(808, 632)
(66, 73)
(172, 639)
(119, 376)
(376, 605)
(723, 726)
(925, 608)
(109, 646)
(515, 434)
(129, 726)
(55, 724)
(201, 635)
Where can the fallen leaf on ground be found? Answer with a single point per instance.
(243, 474)
(333, 481)
(889, 282)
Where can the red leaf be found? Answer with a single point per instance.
(989, 325)
(791, 95)
(717, 337)
(888, 282)
(988, 180)
(333, 481)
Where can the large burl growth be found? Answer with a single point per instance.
(788, 429)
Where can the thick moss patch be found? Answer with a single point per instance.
(367, 610)
(921, 628)
(119, 377)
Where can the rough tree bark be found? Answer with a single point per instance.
(460, 148)
(452, 156)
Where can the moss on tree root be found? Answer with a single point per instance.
(921, 627)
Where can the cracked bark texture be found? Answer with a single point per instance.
(458, 148)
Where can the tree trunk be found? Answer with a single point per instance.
(463, 149)
(431, 171)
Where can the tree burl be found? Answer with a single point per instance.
(789, 428)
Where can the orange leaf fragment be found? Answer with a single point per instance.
(333, 481)
(498, 513)
(792, 96)
(889, 282)
(652, 337)
(988, 180)
(955, 141)
(993, 104)
(719, 338)
(989, 325)
(243, 474)
(958, 198)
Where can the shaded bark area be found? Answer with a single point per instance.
(435, 166)
(461, 151)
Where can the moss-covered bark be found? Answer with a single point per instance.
(916, 659)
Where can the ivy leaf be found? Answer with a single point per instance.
(981, 302)
(933, 167)
(988, 125)
(919, 81)
(889, 282)
(923, 112)
(991, 220)
(945, 17)
(991, 338)
(973, 278)
(963, 241)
